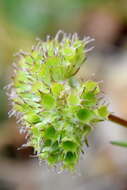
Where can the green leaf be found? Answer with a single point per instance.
(89, 99)
(119, 143)
(48, 142)
(86, 130)
(55, 146)
(44, 74)
(69, 51)
(91, 86)
(48, 101)
(53, 159)
(32, 118)
(56, 89)
(73, 99)
(44, 155)
(70, 158)
(85, 115)
(58, 73)
(40, 86)
(69, 145)
(50, 133)
(35, 131)
(22, 77)
(29, 59)
(103, 111)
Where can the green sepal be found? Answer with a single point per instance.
(48, 101)
(85, 115)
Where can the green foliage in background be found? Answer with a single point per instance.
(119, 143)
(57, 110)
(35, 16)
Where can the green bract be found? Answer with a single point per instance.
(55, 109)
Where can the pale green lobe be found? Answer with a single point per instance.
(32, 118)
(87, 130)
(48, 102)
(85, 115)
(44, 74)
(39, 86)
(91, 86)
(69, 146)
(89, 99)
(50, 133)
(70, 157)
(52, 159)
(35, 131)
(103, 111)
(57, 89)
(73, 99)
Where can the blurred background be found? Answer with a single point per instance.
(104, 166)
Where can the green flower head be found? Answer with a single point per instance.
(55, 109)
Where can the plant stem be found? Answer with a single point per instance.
(118, 120)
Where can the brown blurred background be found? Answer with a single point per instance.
(103, 167)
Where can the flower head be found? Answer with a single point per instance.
(55, 109)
